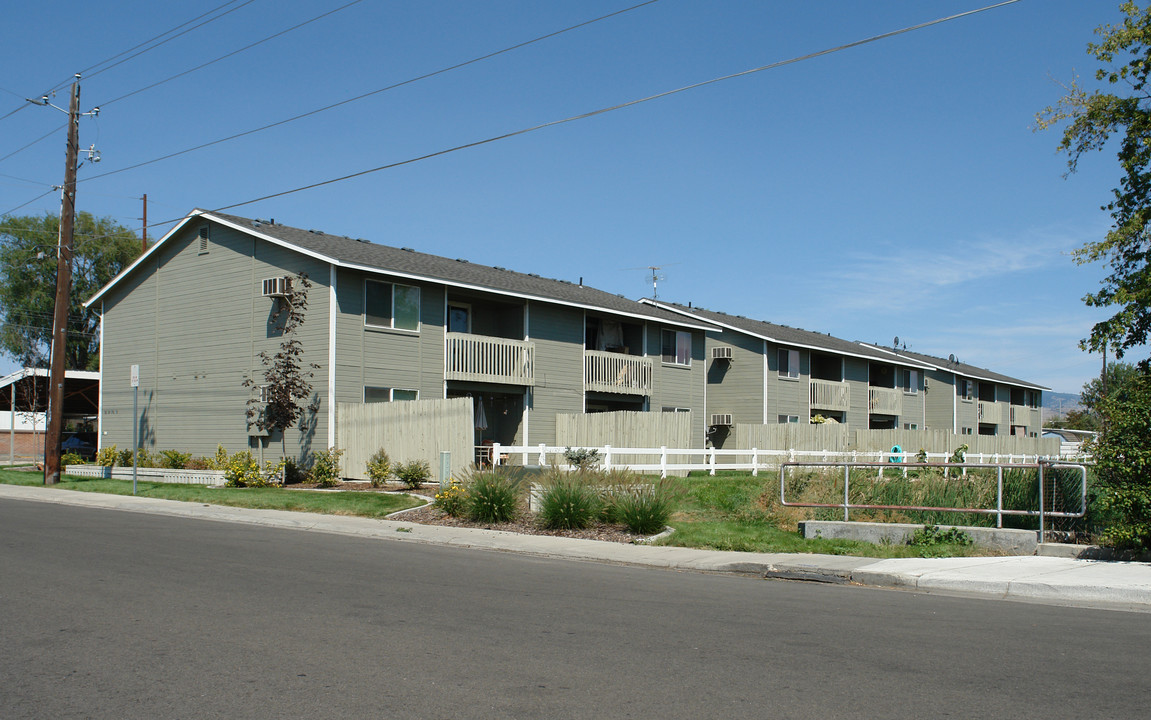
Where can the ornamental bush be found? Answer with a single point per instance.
(493, 494)
(243, 470)
(326, 469)
(1123, 465)
(569, 501)
(173, 459)
(379, 468)
(413, 473)
(645, 508)
(107, 456)
(453, 500)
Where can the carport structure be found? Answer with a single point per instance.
(25, 393)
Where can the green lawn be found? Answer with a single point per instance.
(362, 504)
(735, 511)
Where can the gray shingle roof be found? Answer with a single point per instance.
(960, 368)
(405, 261)
(785, 335)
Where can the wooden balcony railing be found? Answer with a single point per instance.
(884, 401)
(480, 358)
(616, 373)
(989, 412)
(829, 395)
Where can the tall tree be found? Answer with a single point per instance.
(28, 284)
(1121, 380)
(287, 378)
(1092, 120)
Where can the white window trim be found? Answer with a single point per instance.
(391, 393)
(419, 307)
(675, 363)
(787, 419)
(788, 374)
(913, 376)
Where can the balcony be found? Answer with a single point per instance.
(1021, 415)
(884, 401)
(616, 373)
(481, 358)
(827, 395)
(989, 413)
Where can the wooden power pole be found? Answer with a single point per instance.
(56, 371)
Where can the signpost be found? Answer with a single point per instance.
(134, 379)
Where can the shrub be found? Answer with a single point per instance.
(107, 456)
(71, 458)
(198, 464)
(493, 495)
(244, 471)
(1123, 455)
(930, 535)
(581, 458)
(379, 468)
(125, 458)
(326, 469)
(174, 459)
(293, 473)
(568, 502)
(414, 473)
(220, 460)
(645, 508)
(453, 500)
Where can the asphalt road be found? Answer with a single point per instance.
(111, 614)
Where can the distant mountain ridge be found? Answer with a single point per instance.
(1061, 402)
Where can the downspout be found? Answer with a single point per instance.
(764, 382)
(100, 395)
(331, 356)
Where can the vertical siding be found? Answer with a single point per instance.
(939, 397)
(417, 430)
(195, 323)
(855, 372)
(558, 335)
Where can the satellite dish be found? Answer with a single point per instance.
(896, 341)
(951, 358)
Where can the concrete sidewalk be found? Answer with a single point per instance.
(1064, 581)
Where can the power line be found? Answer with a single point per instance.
(9, 212)
(45, 136)
(418, 78)
(234, 52)
(620, 106)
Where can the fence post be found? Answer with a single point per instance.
(543, 455)
(495, 454)
(999, 499)
(846, 482)
(607, 457)
(755, 462)
(1042, 507)
(663, 461)
(711, 461)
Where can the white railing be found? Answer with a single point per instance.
(830, 395)
(616, 373)
(164, 475)
(664, 459)
(885, 401)
(480, 358)
(989, 413)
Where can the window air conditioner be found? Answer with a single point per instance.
(721, 352)
(276, 287)
(721, 419)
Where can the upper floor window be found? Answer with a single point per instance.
(788, 363)
(910, 381)
(385, 394)
(964, 388)
(676, 347)
(390, 305)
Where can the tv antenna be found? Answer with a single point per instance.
(655, 276)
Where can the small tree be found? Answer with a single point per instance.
(1123, 464)
(287, 378)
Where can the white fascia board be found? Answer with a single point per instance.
(777, 341)
(964, 373)
(41, 372)
(376, 271)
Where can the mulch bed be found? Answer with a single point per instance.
(523, 524)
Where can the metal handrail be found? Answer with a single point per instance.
(998, 511)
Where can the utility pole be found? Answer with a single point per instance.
(63, 294)
(144, 235)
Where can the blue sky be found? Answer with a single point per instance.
(893, 189)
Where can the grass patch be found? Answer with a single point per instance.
(736, 511)
(359, 504)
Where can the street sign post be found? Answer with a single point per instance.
(134, 379)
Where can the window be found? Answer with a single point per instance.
(964, 388)
(788, 363)
(667, 408)
(203, 239)
(459, 318)
(391, 306)
(910, 426)
(788, 419)
(676, 347)
(965, 431)
(910, 381)
(384, 394)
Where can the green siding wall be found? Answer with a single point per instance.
(736, 386)
(558, 335)
(195, 324)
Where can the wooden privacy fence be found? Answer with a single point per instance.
(626, 429)
(410, 430)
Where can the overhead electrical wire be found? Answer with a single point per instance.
(9, 212)
(393, 86)
(62, 83)
(620, 106)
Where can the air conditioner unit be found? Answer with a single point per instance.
(276, 287)
(721, 352)
(721, 419)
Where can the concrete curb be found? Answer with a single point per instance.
(1066, 581)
